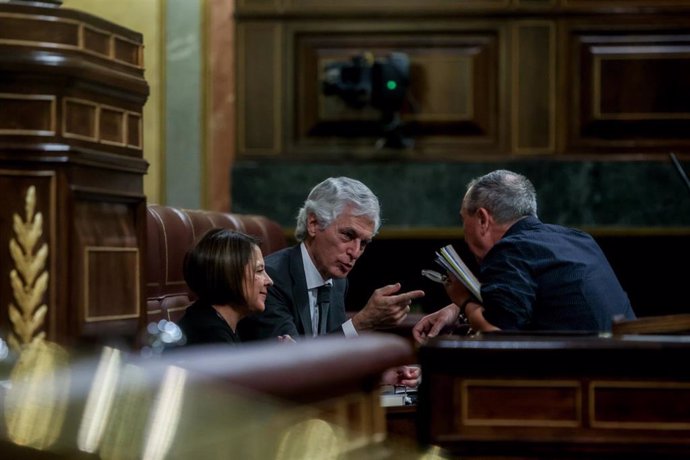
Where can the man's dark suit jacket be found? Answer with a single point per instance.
(287, 303)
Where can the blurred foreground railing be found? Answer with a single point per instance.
(312, 399)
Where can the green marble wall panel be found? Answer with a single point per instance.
(183, 104)
(427, 194)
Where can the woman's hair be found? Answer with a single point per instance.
(329, 199)
(508, 196)
(215, 268)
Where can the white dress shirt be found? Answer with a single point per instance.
(314, 282)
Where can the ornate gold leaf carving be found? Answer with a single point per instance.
(28, 279)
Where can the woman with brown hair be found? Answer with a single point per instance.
(226, 272)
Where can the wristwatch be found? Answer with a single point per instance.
(463, 307)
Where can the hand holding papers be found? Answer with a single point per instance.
(449, 259)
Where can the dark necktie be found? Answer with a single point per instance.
(323, 302)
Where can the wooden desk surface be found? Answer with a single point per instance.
(554, 396)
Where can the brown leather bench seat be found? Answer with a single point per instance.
(171, 232)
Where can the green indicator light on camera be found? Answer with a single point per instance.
(391, 84)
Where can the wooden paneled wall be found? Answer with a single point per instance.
(489, 78)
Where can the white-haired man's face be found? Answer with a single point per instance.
(335, 249)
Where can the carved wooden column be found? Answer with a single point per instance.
(72, 220)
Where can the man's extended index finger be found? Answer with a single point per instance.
(409, 295)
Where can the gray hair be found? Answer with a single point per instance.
(328, 199)
(508, 196)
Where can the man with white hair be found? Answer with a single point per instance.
(337, 222)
